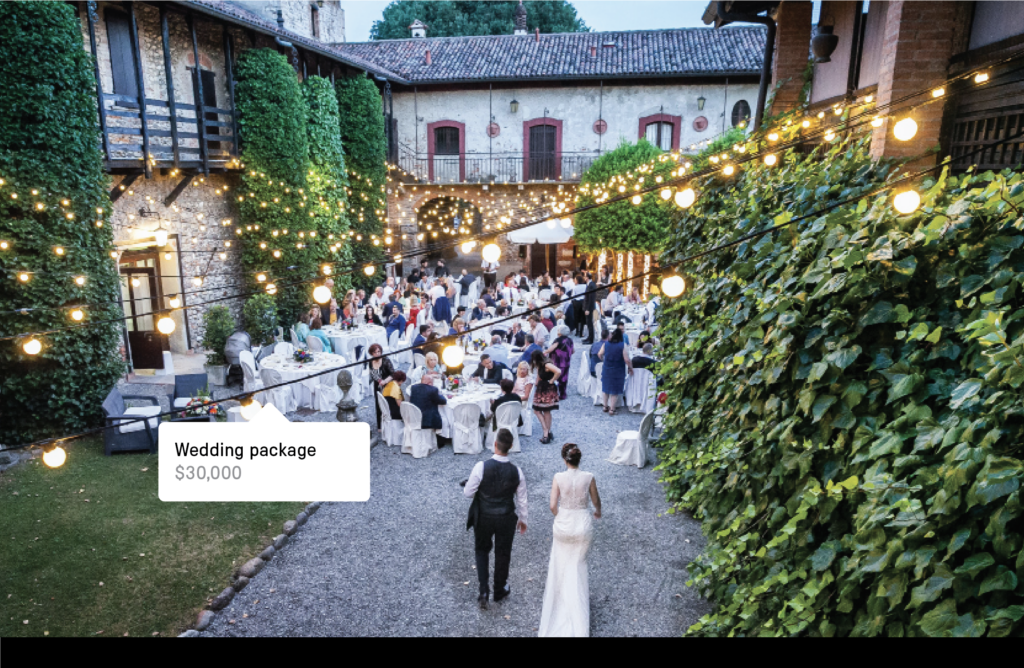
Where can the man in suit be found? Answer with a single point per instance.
(591, 313)
(488, 298)
(479, 311)
(489, 370)
(646, 359)
(427, 398)
(517, 337)
(441, 270)
(507, 396)
(420, 339)
(498, 489)
(466, 280)
(531, 345)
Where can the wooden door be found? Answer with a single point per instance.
(542, 153)
(140, 292)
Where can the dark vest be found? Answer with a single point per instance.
(497, 491)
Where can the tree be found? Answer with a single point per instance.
(446, 18)
(53, 193)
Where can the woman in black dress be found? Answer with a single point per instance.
(371, 317)
(381, 371)
(545, 397)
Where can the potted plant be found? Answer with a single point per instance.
(260, 316)
(219, 326)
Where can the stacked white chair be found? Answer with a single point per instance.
(391, 431)
(281, 397)
(315, 344)
(631, 446)
(595, 390)
(250, 381)
(507, 417)
(417, 441)
(284, 349)
(327, 393)
(641, 391)
(466, 435)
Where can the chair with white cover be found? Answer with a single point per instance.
(419, 360)
(492, 310)
(392, 431)
(284, 349)
(315, 344)
(417, 441)
(631, 446)
(584, 377)
(506, 374)
(507, 416)
(528, 417)
(640, 391)
(354, 343)
(544, 295)
(279, 337)
(281, 397)
(596, 387)
(393, 341)
(250, 381)
(409, 332)
(468, 370)
(327, 393)
(634, 338)
(466, 434)
(295, 339)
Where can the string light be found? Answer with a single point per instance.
(729, 170)
(32, 347)
(250, 409)
(829, 136)
(136, 283)
(637, 199)
(175, 301)
(907, 201)
(322, 294)
(59, 250)
(165, 325)
(197, 281)
(981, 77)
(80, 280)
(55, 458)
(453, 356)
(491, 252)
(770, 159)
(673, 286)
(369, 269)
(939, 92)
(876, 122)
(686, 198)
(77, 315)
(327, 270)
(271, 289)
(905, 129)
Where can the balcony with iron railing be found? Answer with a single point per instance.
(562, 166)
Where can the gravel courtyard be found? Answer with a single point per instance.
(402, 563)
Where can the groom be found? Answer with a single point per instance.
(498, 489)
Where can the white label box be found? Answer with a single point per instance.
(264, 460)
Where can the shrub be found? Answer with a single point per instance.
(219, 325)
(623, 226)
(362, 133)
(260, 314)
(49, 142)
(847, 402)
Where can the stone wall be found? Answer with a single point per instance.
(298, 17)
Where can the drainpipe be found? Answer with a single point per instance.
(283, 43)
(769, 52)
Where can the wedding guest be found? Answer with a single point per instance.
(377, 298)
(645, 359)
(507, 396)
(524, 381)
(502, 311)
(315, 329)
(415, 307)
(578, 303)
(396, 323)
(393, 394)
(434, 344)
(498, 350)
(538, 329)
(427, 398)
(595, 350)
(360, 299)
(645, 338)
(405, 300)
(381, 373)
(545, 398)
(371, 317)
(442, 307)
(302, 329)
(489, 370)
(559, 318)
(441, 269)
(388, 288)
(458, 327)
(516, 336)
(420, 339)
(615, 355)
(490, 270)
(393, 303)
(479, 311)
(488, 298)
(560, 353)
(591, 313)
(433, 368)
(465, 281)
(634, 296)
(524, 281)
(531, 347)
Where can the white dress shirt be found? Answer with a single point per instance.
(437, 291)
(489, 267)
(376, 302)
(477, 476)
(577, 291)
(388, 291)
(540, 334)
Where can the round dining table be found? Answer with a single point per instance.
(290, 370)
(341, 340)
(482, 395)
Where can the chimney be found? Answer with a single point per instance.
(520, 19)
(428, 56)
(418, 28)
(538, 35)
(593, 51)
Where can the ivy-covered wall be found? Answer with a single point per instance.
(846, 404)
(362, 133)
(49, 154)
(624, 226)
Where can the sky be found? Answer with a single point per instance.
(600, 15)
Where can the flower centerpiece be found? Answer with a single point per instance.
(346, 324)
(454, 383)
(302, 356)
(201, 405)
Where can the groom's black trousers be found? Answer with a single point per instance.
(502, 528)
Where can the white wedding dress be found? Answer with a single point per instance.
(566, 611)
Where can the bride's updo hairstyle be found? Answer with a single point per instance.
(571, 453)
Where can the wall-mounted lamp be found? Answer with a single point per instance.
(700, 103)
(161, 236)
(514, 106)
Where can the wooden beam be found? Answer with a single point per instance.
(200, 116)
(133, 32)
(92, 18)
(229, 69)
(169, 75)
(178, 189)
(121, 187)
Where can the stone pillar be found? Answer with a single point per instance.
(919, 40)
(792, 51)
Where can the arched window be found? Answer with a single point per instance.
(740, 113)
(659, 133)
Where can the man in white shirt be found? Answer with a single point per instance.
(377, 298)
(389, 289)
(490, 272)
(579, 320)
(567, 281)
(498, 489)
(438, 290)
(539, 331)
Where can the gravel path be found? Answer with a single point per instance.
(402, 563)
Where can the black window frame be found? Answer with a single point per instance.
(122, 56)
(737, 112)
(446, 140)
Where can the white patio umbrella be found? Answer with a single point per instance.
(556, 231)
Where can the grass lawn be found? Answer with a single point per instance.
(89, 549)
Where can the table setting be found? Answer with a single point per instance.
(301, 371)
(481, 394)
(341, 339)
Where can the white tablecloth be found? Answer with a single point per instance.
(340, 339)
(291, 370)
(482, 397)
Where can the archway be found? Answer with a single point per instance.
(444, 219)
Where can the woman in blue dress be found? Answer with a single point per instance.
(615, 355)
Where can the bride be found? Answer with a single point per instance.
(566, 611)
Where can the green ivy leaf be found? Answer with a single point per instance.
(964, 391)
(940, 620)
(932, 587)
(1002, 580)
(975, 564)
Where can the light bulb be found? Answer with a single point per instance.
(876, 122)
(673, 286)
(566, 223)
(770, 160)
(58, 250)
(77, 315)
(491, 252)
(774, 136)
(468, 246)
(551, 224)
(250, 409)
(637, 199)
(981, 77)
(398, 258)
(271, 289)
(32, 347)
(277, 254)
(666, 194)
(175, 301)
(4, 245)
(869, 99)
(806, 124)
(685, 198)
(55, 458)
(136, 283)
(729, 170)
(369, 269)
(938, 92)
(905, 129)
(165, 325)
(821, 114)
(80, 280)
(167, 256)
(161, 237)
(261, 278)
(829, 136)
(197, 281)
(907, 201)
(453, 356)
(322, 294)
(327, 270)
